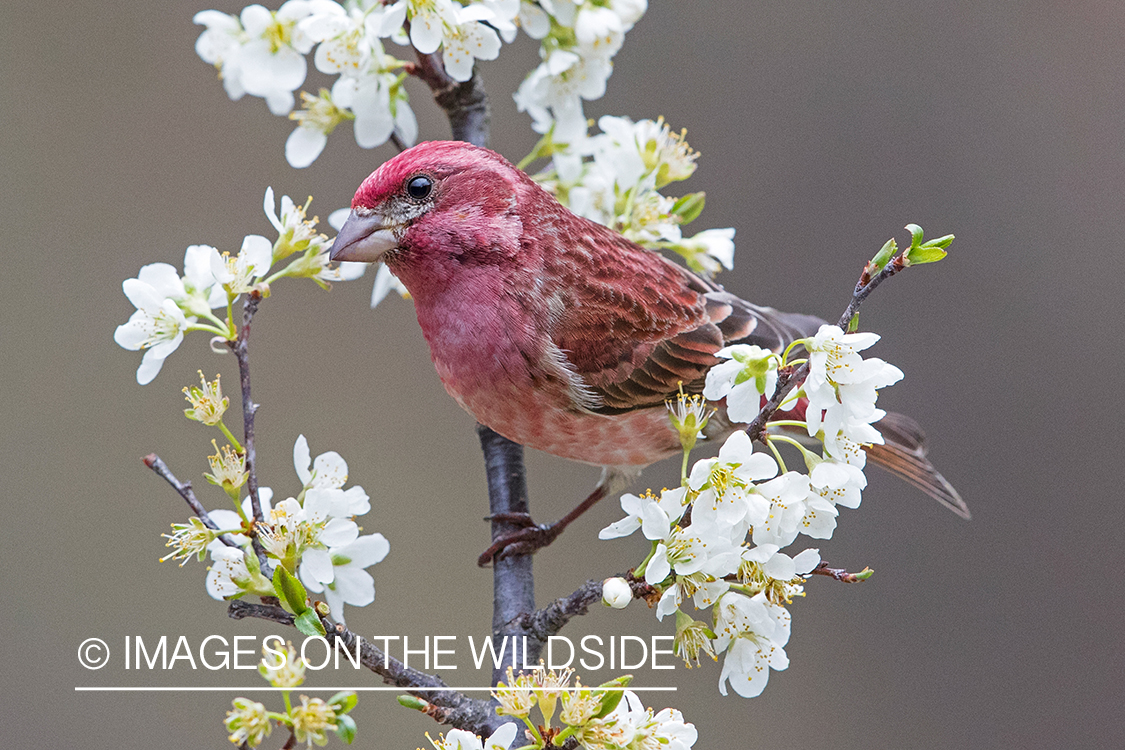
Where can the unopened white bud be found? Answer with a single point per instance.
(616, 593)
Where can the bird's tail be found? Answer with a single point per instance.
(904, 454)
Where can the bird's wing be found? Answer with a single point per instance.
(640, 326)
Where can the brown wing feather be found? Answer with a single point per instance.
(640, 325)
(904, 455)
(637, 326)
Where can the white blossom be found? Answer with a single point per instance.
(468, 40)
(228, 574)
(460, 739)
(778, 565)
(655, 515)
(838, 482)
(630, 11)
(316, 119)
(339, 571)
(157, 325)
(553, 93)
(240, 273)
(219, 45)
(504, 14)
(575, 65)
(599, 31)
(726, 483)
(202, 291)
(533, 20)
(249, 723)
(709, 250)
(754, 632)
(632, 725)
(294, 231)
(748, 374)
(228, 519)
(271, 59)
(328, 471)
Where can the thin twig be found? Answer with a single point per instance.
(786, 381)
(841, 574)
(478, 716)
(240, 347)
(185, 491)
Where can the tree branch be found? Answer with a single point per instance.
(240, 347)
(541, 624)
(465, 104)
(157, 464)
(477, 716)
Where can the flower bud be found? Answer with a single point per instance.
(616, 593)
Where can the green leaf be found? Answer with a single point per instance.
(290, 591)
(915, 235)
(345, 728)
(883, 256)
(343, 701)
(689, 207)
(309, 624)
(916, 256)
(853, 324)
(942, 242)
(613, 697)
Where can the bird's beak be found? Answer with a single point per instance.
(362, 239)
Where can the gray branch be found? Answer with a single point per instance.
(240, 347)
(478, 716)
(541, 624)
(513, 583)
(465, 104)
(185, 491)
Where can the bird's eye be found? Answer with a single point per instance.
(419, 187)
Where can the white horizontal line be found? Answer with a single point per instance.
(369, 689)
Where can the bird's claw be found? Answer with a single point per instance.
(522, 520)
(524, 541)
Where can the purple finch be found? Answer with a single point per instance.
(557, 332)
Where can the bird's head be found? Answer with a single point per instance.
(439, 188)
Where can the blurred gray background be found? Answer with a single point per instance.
(824, 127)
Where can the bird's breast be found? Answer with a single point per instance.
(493, 356)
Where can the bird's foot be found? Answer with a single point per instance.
(524, 541)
